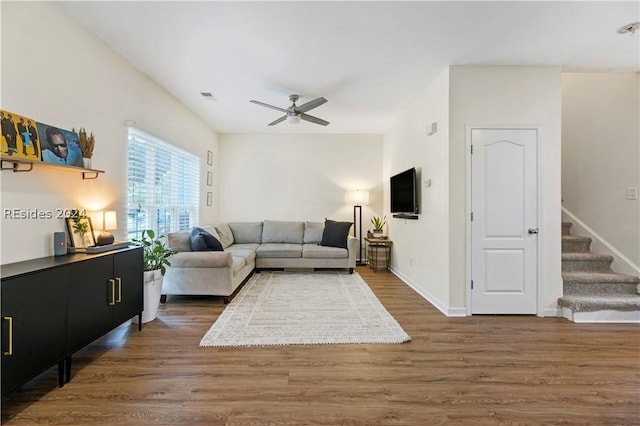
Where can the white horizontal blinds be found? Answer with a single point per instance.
(163, 186)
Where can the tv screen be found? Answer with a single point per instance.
(403, 192)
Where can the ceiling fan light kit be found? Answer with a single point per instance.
(295, 113)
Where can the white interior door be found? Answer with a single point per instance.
(504, 225)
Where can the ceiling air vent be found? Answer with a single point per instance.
(208, 96)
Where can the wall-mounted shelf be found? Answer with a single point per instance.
(25, 165)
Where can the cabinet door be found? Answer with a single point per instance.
(127, 270)
(91, 301)
(37, 307)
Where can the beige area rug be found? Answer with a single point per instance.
(287, 308)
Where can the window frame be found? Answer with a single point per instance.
(163, 186)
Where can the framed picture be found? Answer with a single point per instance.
(209, 198)
(210, 158)
(209, 179)
(20, 137)
(59, 146)
(80, 232)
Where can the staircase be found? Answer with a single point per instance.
(592, 291)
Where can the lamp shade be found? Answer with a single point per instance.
(102, 220)
(97, 220)
(110, 220)
(358, 197)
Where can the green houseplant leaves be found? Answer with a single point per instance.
(378, 223)
(155, 253)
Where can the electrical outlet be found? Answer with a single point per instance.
(632, 193)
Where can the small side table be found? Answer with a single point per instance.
(378, 253)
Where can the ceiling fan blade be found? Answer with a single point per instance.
(279, 120)
(313, 119)
(268, 106)
(311, 105)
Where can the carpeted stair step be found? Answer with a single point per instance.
(586, 262)
(575, 244)
(566, 228)
(600, 302)
(583, 283)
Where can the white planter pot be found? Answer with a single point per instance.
(152, 281)
(86, 163)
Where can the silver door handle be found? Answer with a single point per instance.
(533, 230)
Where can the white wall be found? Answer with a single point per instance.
(298, 177)
(55, 72)
(420, 251)
(461, 96)
(601, 155)
(507, 96)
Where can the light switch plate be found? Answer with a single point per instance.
(632, 193)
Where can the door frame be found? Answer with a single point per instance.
(540, 244)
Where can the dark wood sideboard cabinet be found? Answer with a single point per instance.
(55, 306)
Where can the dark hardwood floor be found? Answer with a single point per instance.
(480, 370)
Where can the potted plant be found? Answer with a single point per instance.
(378, 225)
(155, 260)
(80, 226)
(87, 143)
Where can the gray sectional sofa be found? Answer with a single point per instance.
(248, 246)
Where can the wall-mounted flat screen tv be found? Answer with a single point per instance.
(404, 197)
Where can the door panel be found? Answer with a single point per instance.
(504, 197)
(127, 267)
(90, 312)
(38, 331)
(503, 190)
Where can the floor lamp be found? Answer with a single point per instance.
(358, 199)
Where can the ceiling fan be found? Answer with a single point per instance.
(295, 113)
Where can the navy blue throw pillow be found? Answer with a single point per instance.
(201, 240)
(335, 234)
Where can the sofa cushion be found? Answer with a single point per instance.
(179, 241)
(279, 250)
(314, 251)
(243, 250)
(282, 232)
(247, 246)
(226, 236)
(313, 232)
(335, 233)
(201, 240)
(246, 232)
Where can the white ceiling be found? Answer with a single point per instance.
(369, 59)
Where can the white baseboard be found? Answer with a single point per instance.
(442, 307)
(553, 312)
(605, 316)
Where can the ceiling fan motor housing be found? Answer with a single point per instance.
(296, 113)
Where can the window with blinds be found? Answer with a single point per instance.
(162, 186)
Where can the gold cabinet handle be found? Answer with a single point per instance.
(113, 292)
(9, 352)
(119, 280)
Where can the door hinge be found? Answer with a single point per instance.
(471, 149)
(471, 284)
(471, 216)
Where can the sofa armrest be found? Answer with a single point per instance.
(201, 259)
(353, 246)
